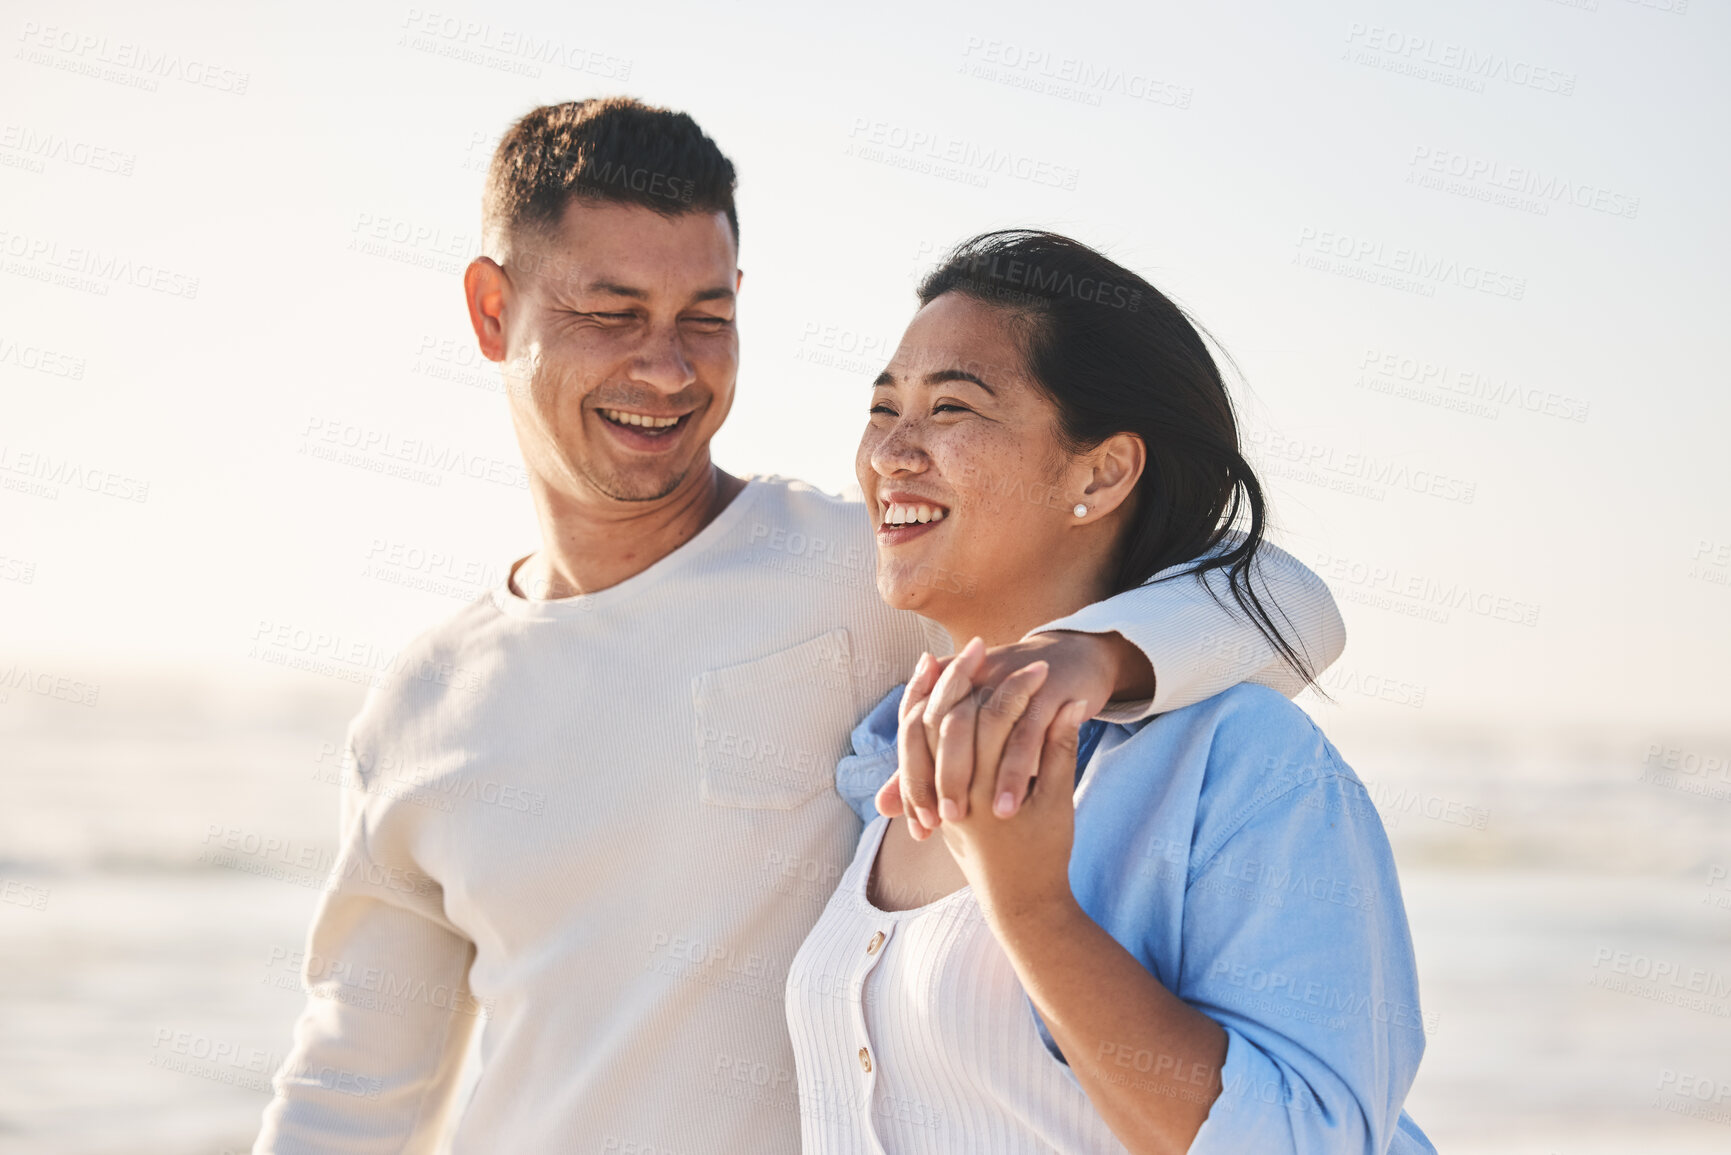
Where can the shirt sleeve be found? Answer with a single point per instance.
(859, 775)
(1296, 942)
(380, 1044)
(1199, 642)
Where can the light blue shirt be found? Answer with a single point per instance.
(1228, 847)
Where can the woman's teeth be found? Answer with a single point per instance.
(619, 417)
(900, 513)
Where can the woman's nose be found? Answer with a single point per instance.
(900, 451)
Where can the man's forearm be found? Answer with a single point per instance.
(1197, 641)
(1133, 673)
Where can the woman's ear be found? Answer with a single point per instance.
(1114, 467)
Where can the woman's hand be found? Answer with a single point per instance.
(1019, 866)
(935, 763)
(1014, 862)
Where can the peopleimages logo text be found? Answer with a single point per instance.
(1409, 262)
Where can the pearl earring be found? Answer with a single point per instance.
(1080, 510)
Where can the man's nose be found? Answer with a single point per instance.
(662, 364)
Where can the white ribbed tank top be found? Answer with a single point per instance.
(912, 1035)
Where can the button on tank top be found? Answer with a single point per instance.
(913, 1036)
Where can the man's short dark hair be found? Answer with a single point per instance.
(616, 149)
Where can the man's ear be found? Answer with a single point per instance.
(487, 288)
(1115, 466)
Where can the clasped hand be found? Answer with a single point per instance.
(967, 751)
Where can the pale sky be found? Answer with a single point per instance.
(1469, 258)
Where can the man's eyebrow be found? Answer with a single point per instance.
(884, 378)
(943, 375)
(614, 289)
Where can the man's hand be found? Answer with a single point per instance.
(946, 698)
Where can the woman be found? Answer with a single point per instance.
(1189, 935)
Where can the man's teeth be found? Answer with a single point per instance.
(624, 418)
(905, 513)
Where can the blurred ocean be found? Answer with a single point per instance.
(1567, 894)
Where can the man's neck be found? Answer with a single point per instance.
(587, 546)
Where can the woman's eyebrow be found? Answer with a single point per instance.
(945, 375)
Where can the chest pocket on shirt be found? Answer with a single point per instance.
(770, 731)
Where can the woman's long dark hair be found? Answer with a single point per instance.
(1117, 356)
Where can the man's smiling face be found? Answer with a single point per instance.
(621, 349)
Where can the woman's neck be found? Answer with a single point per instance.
(1005, 615)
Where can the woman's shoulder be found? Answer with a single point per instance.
(1247, 721)
(1241, 750)
(1251, 716)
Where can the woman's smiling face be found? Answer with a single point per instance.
(962, 468)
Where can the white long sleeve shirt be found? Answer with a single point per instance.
(600, 827)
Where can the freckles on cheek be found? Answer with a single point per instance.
(984, 471)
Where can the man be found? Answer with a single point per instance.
(662, 691)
